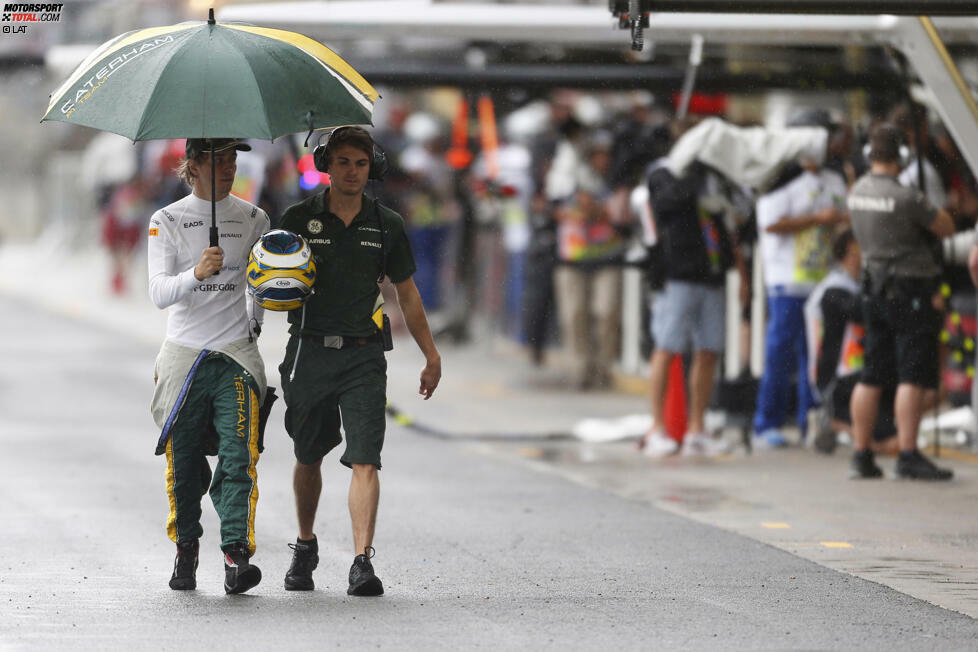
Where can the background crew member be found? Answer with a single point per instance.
(902, 306)
(690, 309)
(334, 362)
(795, 224)
(210, 376)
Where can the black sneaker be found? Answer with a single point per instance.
(914, 466)
(863, 466)
(185, 566)
(239, 575)
(305, 558)
(362, 578)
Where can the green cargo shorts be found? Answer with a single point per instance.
(333, 387)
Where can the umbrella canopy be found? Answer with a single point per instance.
(210, 80)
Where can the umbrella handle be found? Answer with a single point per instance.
(213, 232)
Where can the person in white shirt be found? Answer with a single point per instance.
(794, 223)
(210, 379)
(935, 192)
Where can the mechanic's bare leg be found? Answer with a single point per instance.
(363, 499)
(908, 408)
(307, 483)
(700, 387)
(864, 406)
(658, 378)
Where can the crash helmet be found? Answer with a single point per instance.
(281, 270)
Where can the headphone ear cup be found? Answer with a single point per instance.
(378, 165)
(319, 157)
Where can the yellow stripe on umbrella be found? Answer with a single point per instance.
(327, 57)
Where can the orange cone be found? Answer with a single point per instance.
(674, 409)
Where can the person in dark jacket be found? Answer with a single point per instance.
(697, 252)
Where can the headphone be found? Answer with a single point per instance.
(905, 155)
(378, 162)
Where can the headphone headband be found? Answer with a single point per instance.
(378, 161)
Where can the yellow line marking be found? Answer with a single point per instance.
(776, 526)
(835, 544)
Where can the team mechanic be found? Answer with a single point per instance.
(210, 377)
(901, 305)
(334, 363)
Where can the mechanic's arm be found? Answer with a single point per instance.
(417, 323)
(942, 226)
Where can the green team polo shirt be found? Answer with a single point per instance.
(348, 263)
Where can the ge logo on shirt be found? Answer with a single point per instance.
(315, 226)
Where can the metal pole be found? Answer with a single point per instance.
(213, 231)
(214, 237)
(837, 7)
(695, 59)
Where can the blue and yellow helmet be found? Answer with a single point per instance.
(281, 271)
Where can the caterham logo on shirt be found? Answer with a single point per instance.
(314, 226)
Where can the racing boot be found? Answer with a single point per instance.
(239, 575)
(185, 566)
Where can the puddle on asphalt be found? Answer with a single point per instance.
(696, 499)
(705, 499)
(564, 454)
(623, 453)
(689, 498)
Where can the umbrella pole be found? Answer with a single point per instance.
(213, 231)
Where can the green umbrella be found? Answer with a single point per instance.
(210, 80)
